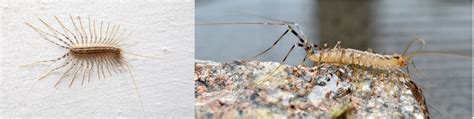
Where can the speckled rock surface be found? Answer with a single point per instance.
(254, 89)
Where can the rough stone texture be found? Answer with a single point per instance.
(258, 89)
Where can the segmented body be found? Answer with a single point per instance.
(357, 57)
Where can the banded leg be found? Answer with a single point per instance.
(302, 42)
(268, 49)
(75, 73)
(62, 76)
(44, 61)
(44, 75)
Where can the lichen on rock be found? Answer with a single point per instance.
(242, 89)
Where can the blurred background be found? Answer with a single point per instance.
(382, 25)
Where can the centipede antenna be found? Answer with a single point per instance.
(437, 53)
(263, 17)
(411, 43)
(289, 23)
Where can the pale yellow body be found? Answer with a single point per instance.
(357, 57)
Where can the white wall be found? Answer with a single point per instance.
(160, 28)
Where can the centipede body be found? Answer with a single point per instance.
(93, 50)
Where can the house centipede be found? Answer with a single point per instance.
(94, 50)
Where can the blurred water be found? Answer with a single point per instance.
(445, 25)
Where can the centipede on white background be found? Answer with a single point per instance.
(93, 50)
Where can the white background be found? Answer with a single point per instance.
(162, 29)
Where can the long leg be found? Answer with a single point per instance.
(114, 35)
(96, 41)
(119, 38)
(102, 67)
(62, 76)
(114, 65)
(88, 42)
(90, 70)
(135, 85)
(276, 69)
(300, 38)
(77, 31)
(118, 64)
(75, 73)
(304, 59)
(43, 34)
(44, 61)
(268, 49)
(109, 34)
(85, 70)
(287, 54)
(284, 59)
(97, 68)
(55, 31)
(95, 33)
(106, 36)
(290, 29)
(107, 65)
(67, 30)
(49, 72)
(84, 40)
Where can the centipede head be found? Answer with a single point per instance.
(401, 60)
(404, 59)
